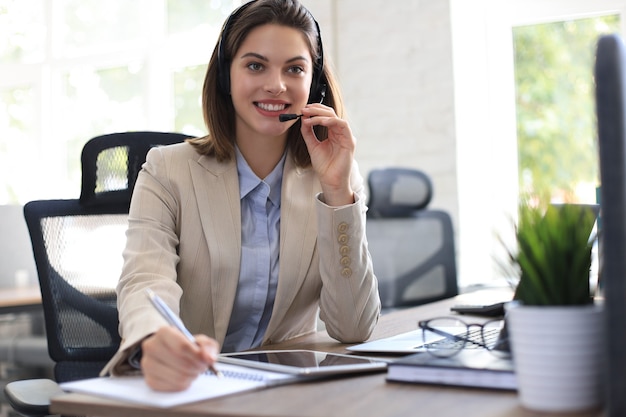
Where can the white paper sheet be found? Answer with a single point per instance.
(133, 388)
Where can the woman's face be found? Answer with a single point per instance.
(270, 74)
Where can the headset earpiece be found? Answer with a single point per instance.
(318, 85)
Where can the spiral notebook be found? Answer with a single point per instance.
(133, 389)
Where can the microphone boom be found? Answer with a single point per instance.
(288, 116)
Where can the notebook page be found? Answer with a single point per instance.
(133, 389)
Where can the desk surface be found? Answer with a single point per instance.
(363, 396)
(22, 299)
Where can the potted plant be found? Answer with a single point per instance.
(555, 328)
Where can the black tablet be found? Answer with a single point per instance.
(304, 362)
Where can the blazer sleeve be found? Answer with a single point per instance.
(349, 301)
(150, 260)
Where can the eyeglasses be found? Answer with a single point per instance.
(447, 336)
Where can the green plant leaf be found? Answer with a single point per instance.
(553, 255)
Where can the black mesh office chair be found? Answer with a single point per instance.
(412, 246)
(77, 245)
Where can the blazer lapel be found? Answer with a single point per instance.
(216, 186)
(298, 237)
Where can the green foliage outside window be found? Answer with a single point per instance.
(556, 127)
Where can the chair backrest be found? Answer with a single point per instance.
(610, 77)
(78, 244)
(110, 164)
(412, 247)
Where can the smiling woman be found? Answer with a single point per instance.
(254, 231)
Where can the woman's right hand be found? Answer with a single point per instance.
(170, 362)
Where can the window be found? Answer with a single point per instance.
(486, 125)
(555, 106)
(74, 69)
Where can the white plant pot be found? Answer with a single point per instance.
(559, 356)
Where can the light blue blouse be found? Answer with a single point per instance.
(260, 246)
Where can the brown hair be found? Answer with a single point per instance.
(217, 107)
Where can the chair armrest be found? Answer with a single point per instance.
(31, 397)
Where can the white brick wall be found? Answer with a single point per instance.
(394, 63)
(395, 68)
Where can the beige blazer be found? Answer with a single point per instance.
(184, 242)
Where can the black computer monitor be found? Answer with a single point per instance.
(610, 77)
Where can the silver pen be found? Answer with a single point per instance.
(173, 320)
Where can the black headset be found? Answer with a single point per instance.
(318, 87)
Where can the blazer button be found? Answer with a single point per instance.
(345, 261)
(343, 227)
(342, 238)
(344, 250)
(346, 272)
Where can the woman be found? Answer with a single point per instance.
(246, 232)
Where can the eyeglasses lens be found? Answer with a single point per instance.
(446, 336)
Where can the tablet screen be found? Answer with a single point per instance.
(304, 361)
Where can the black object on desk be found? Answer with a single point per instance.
(487, 310)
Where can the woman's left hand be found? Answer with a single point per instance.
(331, 158)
